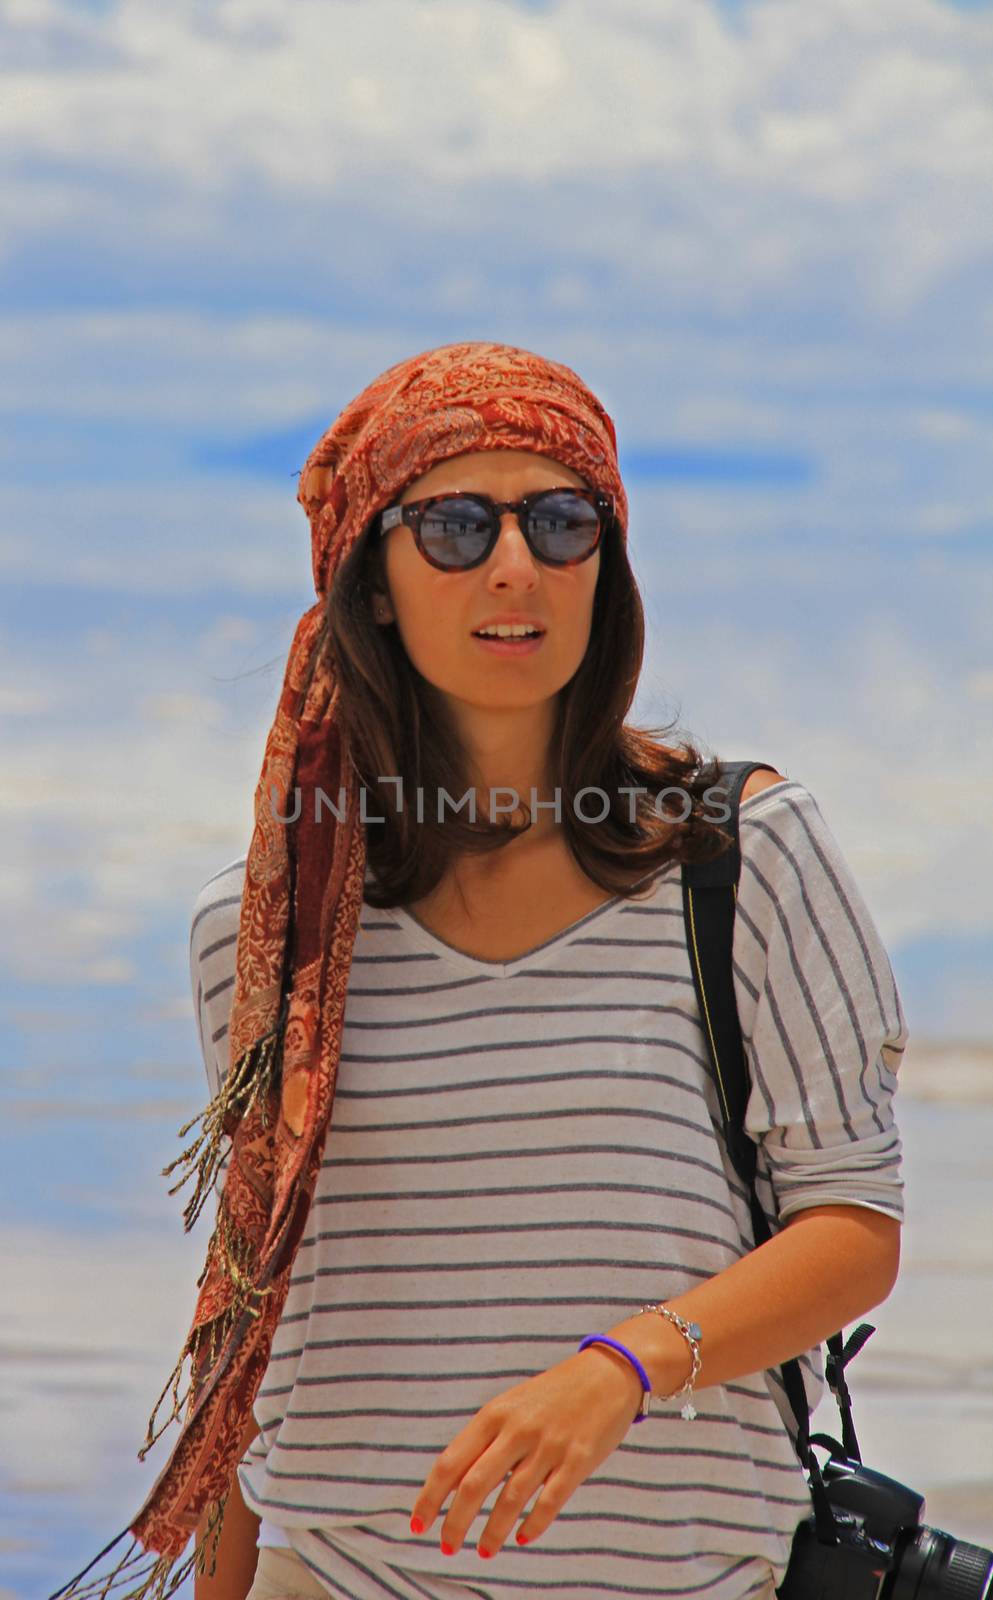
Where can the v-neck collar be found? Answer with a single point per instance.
(533, 957)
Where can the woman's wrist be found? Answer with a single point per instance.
(660, 1347)
(621, 1364)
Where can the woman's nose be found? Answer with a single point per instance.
(511, 547)
(511, 533)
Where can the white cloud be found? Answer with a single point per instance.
(15, 702)
(132, 806)
(771, 236)
(865, 721)
(149, 524)
(980, 684)
(740, 163)
(161, 538)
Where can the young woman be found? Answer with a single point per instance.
(525, 1145)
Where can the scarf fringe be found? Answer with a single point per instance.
(249, 1080)
(239, 1257)
(181, 1403)
(157, 1577)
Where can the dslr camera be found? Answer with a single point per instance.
(881, 1549)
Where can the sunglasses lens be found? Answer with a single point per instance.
(455, 532)
(564, 526)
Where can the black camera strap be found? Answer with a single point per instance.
(710, 891)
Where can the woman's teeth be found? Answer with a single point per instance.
(517, 631)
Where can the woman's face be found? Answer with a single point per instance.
(435, 612)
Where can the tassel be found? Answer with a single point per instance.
(147, 1575)
(180, 1403)
(240, 1263)
(251, 1078)
(240, 1258)
(157, 1577)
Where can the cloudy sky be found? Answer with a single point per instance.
(760, 229)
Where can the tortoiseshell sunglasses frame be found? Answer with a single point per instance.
(413, 511)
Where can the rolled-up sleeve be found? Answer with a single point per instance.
(820, 1013)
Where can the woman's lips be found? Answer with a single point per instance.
(510, 647)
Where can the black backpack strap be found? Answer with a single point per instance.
(710, 891)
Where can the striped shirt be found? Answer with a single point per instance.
(523, 1152)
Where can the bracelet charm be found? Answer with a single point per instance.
(692, 1333)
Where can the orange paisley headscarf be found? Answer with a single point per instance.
(300, 909)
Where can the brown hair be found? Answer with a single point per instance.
(398, 724)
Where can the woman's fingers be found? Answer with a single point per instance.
(557, 1483)
(546, 1434)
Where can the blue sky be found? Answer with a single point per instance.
(760, 231)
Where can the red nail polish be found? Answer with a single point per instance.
(416, 1525)
(486, 1553)
(447, 1549)
(522, 1538)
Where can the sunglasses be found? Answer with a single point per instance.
(456, 531)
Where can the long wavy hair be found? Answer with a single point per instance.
(398, 724)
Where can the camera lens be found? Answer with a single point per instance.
(934, 1566)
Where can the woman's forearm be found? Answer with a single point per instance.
(237, 1551)
(829, 1265)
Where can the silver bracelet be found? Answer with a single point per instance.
(692, 1333)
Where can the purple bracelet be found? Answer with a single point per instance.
(604, 1338)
